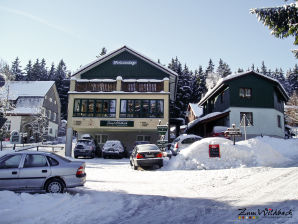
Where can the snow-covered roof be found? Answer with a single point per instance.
(118, 51)
(221, 82)
(28, 88)
(197, 110)
(214, 114)
(27, 105)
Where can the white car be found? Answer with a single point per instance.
(113, 148)
(182, 142)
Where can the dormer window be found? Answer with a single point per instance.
(245, 93)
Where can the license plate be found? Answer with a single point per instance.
(82, 150)
(149, 156)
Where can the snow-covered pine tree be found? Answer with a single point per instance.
(240, 70)
(16, 70)
(43, 71)
(35, 73)
(62, 88)
(51, 72)
(264, 69)
(282, 20)
(28, 70)
(292, 80)
(202, 81)
(223, 69)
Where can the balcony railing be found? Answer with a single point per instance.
(95, 86)
(142, 87)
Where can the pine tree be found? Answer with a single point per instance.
(35, 74)
(43, 76)
(240, 70)
(252, 67)
(210, 68)
(51, 72)
(281, 20)
(28, 70)
(292, 79)
(223, 69)
(263, 69)
(16, 70)
(102, 53)
(62, 88)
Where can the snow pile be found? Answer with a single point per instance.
(253, 152)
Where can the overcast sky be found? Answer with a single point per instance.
(193, 30)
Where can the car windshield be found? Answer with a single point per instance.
(112, 143)
(80, 146)
(87, 142)
(148, 147)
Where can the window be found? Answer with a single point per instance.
(245, 93)
(11, 161)
(143, 138)
(142, 108)
(94, 108)
(279, 121)
(52, 161)
(55, 117)
(7, 125)
(50, 99)
(50, 131)
(246, 118)
(35, 161)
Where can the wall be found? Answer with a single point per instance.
(15, 122)
(264, 120)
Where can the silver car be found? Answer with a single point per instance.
(35, 171)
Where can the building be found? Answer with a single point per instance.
(247, 97)
(194, 111)
(120, 96)
(34, 108)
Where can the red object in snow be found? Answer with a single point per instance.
(214, 151)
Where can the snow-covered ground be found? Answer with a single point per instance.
(114, 193)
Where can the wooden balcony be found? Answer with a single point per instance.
(142, 87)
(95, 86)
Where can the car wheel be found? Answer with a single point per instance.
(134, 166)
(55, 186)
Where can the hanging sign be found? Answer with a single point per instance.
(116, 123)
(214, 151)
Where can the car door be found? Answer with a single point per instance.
(34, 171)
(9, 172)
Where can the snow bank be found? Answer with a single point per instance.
(253, 152)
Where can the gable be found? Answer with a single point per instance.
(126, 65)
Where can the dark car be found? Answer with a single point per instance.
(84, 148)
(146, 155)
(113, 148)
(40, 171)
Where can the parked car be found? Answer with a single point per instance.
(85, 148)
(97, 148)
(113, 148)
(36, 171)
(219, 131)
(146, 155)
(138, 143)
(182, 141)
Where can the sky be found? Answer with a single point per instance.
(192, 30)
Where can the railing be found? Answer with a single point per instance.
(142, 87)
(95, 86)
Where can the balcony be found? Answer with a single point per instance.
(95, 86)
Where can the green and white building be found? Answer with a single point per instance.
(260, 98)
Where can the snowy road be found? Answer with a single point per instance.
(114, 193)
